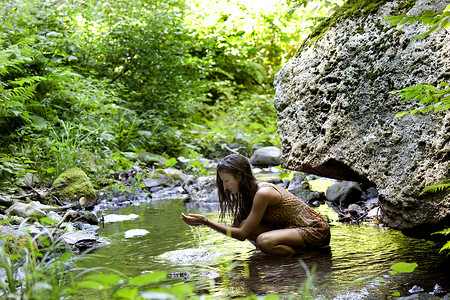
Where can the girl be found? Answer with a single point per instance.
(272, 218)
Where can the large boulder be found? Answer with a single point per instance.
(336, 117)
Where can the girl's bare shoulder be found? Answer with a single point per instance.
(268, 193)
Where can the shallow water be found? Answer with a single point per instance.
(356, 267)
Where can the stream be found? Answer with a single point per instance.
(147, 237)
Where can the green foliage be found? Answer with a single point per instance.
(298, 4)
(403, 267)
(45, 272)
(432, 98)
(435, 21)
(17, 90)
(340, 11)
(89, 85)
(441, 186)
(446, 247)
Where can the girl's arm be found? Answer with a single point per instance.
(262, 199)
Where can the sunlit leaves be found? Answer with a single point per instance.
(432, 98)
(446, 247)
(403, 267)
(435, 21)
(148, 278)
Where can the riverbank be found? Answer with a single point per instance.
(77, 220)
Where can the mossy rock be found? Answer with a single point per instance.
(74, 184)
(13, 241)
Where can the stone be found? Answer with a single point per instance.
(267, 156)
(355, 210)
(374, 213)
(31, 179)
(158, 177)
(344, 192)
(298, 184)
(336, 115)
(25, 210)
(201, 188)
(6, 200)
(79, 240)
(422, 296)
(446, 297)
(151, 159)
(73, 184)
(170, 193)
(54, 216)
(177, 174)
(91, 217)
(135, 232)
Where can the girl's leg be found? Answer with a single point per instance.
(261, 228)
(281, 241)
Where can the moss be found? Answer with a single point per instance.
(156, 174)
(15, 243)
(371, 76)
(405, 6)
(350, 9)
(74, 184)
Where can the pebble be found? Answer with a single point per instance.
(438, 290)
(416, 289)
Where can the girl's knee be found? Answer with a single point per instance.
(264, 242)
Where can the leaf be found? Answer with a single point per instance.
(445, 247)
(403, 267)
(445, 231)
(434, 188)
(170, 162)
(87, 284)
(6, 220)
(148, 278)
(363, 279)
(401, 114)
(126, 293)
(182, 290)
(47, 220)
(104, 279)
(14, 256)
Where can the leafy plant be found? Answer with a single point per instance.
(432, 98)
(435, 21)
(447, 245)
(434, 188)
(32, 272)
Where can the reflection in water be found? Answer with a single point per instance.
(283, 275)
(356, 267)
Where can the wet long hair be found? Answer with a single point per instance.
(237, 206)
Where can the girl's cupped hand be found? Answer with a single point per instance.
(193, 219)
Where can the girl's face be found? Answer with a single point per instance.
(230, 182)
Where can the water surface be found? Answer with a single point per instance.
(356, 267)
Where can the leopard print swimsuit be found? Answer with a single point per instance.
(292, 212)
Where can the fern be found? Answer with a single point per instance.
(443, 185)
(16, 92)
(447, 245)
